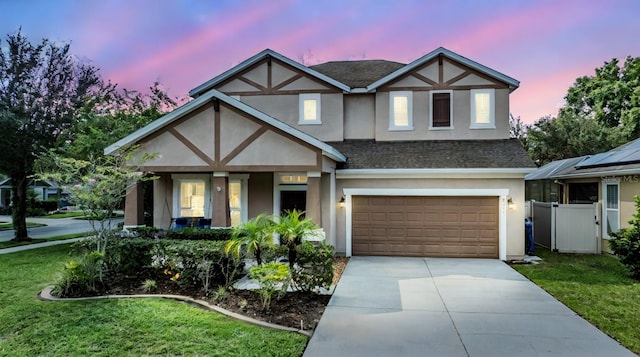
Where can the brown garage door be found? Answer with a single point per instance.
(425, 226)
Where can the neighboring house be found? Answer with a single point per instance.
(389, 158)
(610, 179)
(44, 190)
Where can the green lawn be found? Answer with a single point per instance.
(9, 244)
(596, 287)
(133, 327)
(70, 214)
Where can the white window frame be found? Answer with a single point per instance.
(301, 99)
(178, 179)
(392, 118)
(431, 93)
(243, 180)
(492, 109)
(606, 210)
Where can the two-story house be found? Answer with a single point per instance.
(389, 158)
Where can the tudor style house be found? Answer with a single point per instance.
(388, 158)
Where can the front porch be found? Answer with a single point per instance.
(230, 198)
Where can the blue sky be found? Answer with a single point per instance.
(544, 44)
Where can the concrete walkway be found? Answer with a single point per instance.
(38, 245)
(449, 307)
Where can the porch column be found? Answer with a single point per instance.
(220, 216)
(133, 207)
(314, 209)
(162, 200)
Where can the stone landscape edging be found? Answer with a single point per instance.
(46, 295)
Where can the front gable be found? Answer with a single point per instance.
(442, 73)
(226, 140)
(271, 76)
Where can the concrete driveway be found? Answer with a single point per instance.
(387, 306)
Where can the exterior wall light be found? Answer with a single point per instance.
(510, 204)
(342, 202)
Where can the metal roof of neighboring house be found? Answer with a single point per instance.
(371, 154)
(206, 98)
(513, 83)
(199, 90)
(357, 74)
(553, 168)
(623, 160)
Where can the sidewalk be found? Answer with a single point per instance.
(38, 245)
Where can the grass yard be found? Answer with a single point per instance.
(596, 287)
(9, 244)
(69, 214)
(116, 327)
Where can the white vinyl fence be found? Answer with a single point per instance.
(567, 228)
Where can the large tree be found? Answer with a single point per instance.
(568, 135)
(101, 124)
(42, 88)
(601, 112)
(611, 96)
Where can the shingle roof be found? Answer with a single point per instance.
(371, 154)
(357, 74)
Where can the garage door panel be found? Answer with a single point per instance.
(425, 226)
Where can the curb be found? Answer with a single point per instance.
(46, 295)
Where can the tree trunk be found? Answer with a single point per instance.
(20, 206)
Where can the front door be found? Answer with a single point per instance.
(290, 200)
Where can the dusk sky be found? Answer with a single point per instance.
(545, 45)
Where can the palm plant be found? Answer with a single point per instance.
(255, 234)
(292, 227)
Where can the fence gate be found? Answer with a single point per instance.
(567, 228)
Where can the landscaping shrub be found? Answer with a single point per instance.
(200, 264)
(314, 266)
(215, 234)
(128, 255)
(80, 277)
(274, 279)
(255, 236)
(626, 243)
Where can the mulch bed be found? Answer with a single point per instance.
(294, 309)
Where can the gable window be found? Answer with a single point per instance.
(483, 109)
(400, 111)
(441, 114)
(309, 109)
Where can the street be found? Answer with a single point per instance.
(54, 227)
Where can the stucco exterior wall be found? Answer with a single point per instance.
(260, 195)
(461, 118)
(286, 109)
(359, 116)
(515, 217)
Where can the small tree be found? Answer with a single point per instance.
(292, 227)
(255, 234)
(98, 187)
(626, 243)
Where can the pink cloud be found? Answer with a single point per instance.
(205, 42)
(538, 95)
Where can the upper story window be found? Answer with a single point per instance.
(400, 111)
(483, 114)
(309, 109)
(441, 114)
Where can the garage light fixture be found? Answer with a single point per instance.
(510, 203)
(342, 202)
